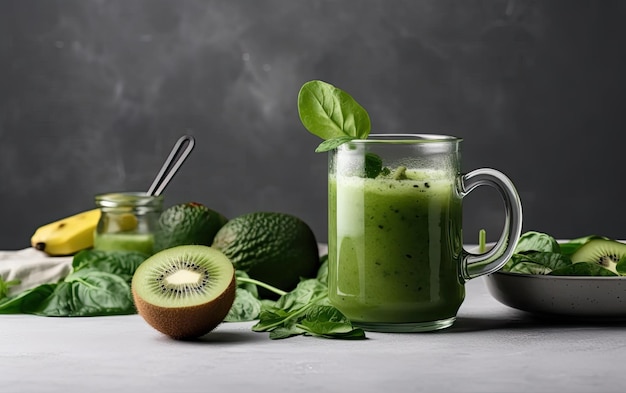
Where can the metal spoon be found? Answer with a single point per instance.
(170, 167)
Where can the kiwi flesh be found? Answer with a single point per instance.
(184, 291)
(604, 252)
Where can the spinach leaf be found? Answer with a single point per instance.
(121, 263)
(373, 165)
(286, 332)
(273, 318)
(331, 114)
(98, 285)
(529, 268)
(306, 311)
(292, 305)
(333, 143)
(320, 321)
(537, 241)
(550, 260)
(327, 321)
(306, 292)
(88, 292)
(246, 307)
(536, 253)
(26, 302)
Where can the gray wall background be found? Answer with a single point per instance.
(93, 95)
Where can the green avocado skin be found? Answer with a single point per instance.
(276, 248)
(187, 223)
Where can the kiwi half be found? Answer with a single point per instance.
(184, 291)
(604, 252)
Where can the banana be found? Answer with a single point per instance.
(68, 235)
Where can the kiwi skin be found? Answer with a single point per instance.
(185, 322)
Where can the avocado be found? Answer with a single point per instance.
(187, 223)
(276, 248)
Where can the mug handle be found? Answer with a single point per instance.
(475, 265)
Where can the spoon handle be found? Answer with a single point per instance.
(170, 167)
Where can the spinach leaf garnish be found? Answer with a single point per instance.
(331, 114)
(373, 165)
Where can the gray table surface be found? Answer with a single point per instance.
(491, 348)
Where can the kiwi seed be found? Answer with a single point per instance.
(184, 291)
(604, 252)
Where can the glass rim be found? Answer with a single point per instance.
(118, 199)
(408, 138)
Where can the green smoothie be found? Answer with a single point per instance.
(141, 242)
(395, 247)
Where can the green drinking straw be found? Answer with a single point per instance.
(482, 240)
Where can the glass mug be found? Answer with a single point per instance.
(395, 243)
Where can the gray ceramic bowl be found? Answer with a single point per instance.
(567, 296)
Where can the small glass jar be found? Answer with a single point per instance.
(128, 221)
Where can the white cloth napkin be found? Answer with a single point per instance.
(32, 267)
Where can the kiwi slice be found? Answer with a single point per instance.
(184, 291)
(604, 252)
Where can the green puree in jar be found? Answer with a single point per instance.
(142, 242)
(396, 251)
